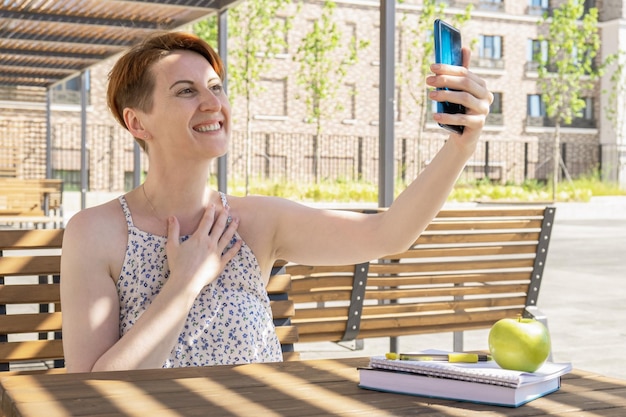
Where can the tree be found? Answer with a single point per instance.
(320, 72)
(420, 55)
(567, 72)
(615, 104)
(255, 33)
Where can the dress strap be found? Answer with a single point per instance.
(126, 210)
(226, 206)
(224, 200)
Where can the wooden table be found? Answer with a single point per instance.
(300, 388)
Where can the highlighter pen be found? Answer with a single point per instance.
(446, 357)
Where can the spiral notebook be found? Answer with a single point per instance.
(482, 382)
(483, 372)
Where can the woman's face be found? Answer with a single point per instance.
(190, 113)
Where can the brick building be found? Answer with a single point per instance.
(516, 143)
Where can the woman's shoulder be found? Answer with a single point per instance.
(101, 222)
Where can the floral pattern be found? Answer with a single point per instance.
(230, 321)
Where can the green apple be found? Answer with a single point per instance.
(520, 344)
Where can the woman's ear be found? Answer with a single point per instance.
(134, 124)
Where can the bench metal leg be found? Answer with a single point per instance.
(457, 341)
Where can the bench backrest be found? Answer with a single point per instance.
(30, 312)
(30, 317)
(469, 269)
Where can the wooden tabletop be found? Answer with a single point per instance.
(300, 388)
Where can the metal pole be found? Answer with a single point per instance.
(222, 47)
(136, 164)
(386, 113)
(83, 139)
(48, 133)
(386, 103)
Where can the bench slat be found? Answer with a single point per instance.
(279, 284)
(460, 278)
(31, 239)
(465, 238)
(304, 285)
(30, 265)
(287, 334)
(474, 224)
(29, 323)
(459, 251)
(396, 294)
(282, 309)
(451, 266)
(30, 294)
(31, 350)
(493, 212)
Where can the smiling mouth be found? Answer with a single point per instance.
(208, 128)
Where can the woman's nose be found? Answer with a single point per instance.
(210, 101)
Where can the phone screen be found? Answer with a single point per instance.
(448, 51)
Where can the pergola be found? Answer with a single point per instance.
(45, 42)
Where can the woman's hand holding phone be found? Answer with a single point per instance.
(462, 97)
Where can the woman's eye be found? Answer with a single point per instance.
(216, 88)
(185, 91)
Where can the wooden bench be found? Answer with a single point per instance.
(30, 314)
(469, 269)
(31, 202)
(30, 318)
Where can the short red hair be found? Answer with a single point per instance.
(131, 83)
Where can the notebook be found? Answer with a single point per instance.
(482, 382)
(453, 389)
(483, 372)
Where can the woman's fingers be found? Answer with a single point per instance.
(456, 84)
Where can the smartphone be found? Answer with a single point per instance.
(448, 51)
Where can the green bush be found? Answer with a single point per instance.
(342, 191)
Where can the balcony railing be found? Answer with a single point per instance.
(491, 63)
(494, 6)
(544, 121)
(538, 11)
(495, 119)
(533, 66)
(491, 6)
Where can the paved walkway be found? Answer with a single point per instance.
(583, 294)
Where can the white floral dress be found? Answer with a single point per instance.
(230, 321)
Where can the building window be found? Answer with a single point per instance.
(495, 116)
(349, 109)
(536, 110)
(588, 4)
(536, 106)
(586, 119)
(68, 92)
(588, 110)
(489, 52)
(536, 53)
(538, 7)
(490, 47)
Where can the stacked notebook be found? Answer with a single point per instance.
(481, 382)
